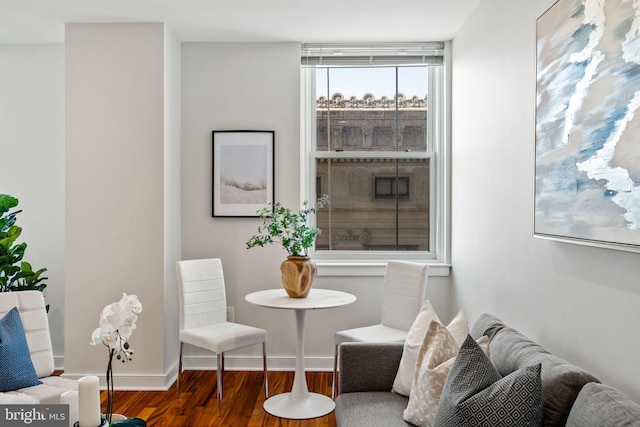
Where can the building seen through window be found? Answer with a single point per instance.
(372, 156)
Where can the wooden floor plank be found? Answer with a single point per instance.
(198, 405)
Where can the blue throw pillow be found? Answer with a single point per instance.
(16, 368)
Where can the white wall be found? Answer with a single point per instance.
(235, 87)
(581, 303)
(32, 153)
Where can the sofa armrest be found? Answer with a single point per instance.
(602, 405)
(368, 366)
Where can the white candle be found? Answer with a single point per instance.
(71, 398)
(89, 401)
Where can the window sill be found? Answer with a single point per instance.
(329, 268)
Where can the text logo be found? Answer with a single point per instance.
(34, 415)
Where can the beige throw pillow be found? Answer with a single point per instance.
(412, 344)
(436, 356)
(458, 327)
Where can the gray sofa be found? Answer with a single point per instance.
(571, 396)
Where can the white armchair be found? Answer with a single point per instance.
(34, 318)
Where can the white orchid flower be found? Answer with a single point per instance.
(128, 326)
(111, 315)
(96, 337)
(110, 337)
(132, 303)
(116, 325)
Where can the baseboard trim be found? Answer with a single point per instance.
(162, 382)
(254, 363)
(151, 382)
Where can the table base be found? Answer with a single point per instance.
(284, 406)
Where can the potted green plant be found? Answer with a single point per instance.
(15, 274)
(289, 229)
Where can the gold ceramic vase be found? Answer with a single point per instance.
(298, 273)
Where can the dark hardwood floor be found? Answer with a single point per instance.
(198, 406)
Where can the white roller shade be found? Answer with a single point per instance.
(419, 53)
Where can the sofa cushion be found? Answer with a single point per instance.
(601, 405)
(16, 368)
(371, 409)
(476, 395)
(375, 374)
(486, 325)
(561, 381)
(51, 389)
(17, 398)
(435, 359)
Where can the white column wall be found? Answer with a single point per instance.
(172, 200)
(579, 302)
(115, 195)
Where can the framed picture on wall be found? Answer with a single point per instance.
(243, 173)
(587, 162)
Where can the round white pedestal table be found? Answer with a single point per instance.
(300, 404)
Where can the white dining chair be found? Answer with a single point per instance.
(203, 316)
(404, 291)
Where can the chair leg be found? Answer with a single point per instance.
(264, 363)
(219, 374)
(335, 373)
(179, 368)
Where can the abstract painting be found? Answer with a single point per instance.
(587, 160)
(242, 172)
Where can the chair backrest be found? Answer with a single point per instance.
(33, 313)
(202, 294)
(405, 286)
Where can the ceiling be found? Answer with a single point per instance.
(327, 21)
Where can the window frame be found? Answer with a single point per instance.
(372, 263)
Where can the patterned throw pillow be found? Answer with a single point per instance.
(476, 395)
(437, 354)
(16, 368)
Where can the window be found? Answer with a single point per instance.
(390, 187)
(374, 141)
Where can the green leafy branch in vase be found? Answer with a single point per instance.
(280, 225)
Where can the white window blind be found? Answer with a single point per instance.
(419, 53)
